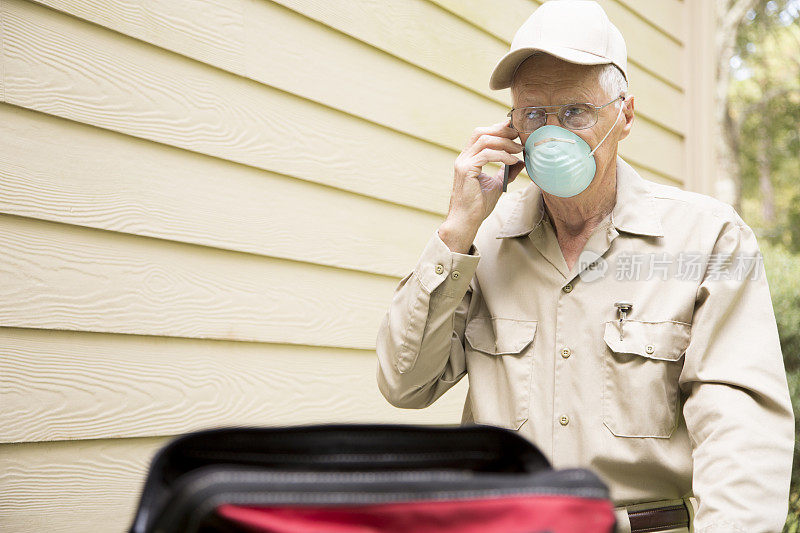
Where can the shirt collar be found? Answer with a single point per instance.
(634, 209)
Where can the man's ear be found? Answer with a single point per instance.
(627, 113)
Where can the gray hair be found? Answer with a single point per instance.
(612, 80)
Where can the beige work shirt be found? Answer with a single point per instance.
(687, 398)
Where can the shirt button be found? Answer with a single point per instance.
(439, 269)
(567, 287)
(649, 348)
(456, 274)
(564, 420)
(565, 352)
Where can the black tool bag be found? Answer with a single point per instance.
(343, 478)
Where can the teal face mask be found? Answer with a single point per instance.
(559, 161)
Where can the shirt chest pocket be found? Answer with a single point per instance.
(641, 370)
(499, 355)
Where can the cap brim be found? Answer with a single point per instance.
(504, 70)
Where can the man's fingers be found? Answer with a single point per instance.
(489, 155)
(495, 142)
(501, 129)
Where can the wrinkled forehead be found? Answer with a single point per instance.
(542, 78)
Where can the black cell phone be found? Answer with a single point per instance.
(506, 168)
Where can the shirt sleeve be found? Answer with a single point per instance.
(420, 340)
(738, 408)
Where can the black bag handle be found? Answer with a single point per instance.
(339, 447)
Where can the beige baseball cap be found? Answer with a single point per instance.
(577, 31)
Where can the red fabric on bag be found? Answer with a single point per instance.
(508, 514)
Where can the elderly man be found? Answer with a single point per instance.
(619, 324)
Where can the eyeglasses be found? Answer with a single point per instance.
(571, 116)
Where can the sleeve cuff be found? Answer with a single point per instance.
(444, 271)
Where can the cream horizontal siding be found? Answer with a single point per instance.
(119, 183)
(72, 486)
(113, 391)
(59, 65)
(112, 282)
(207, 204)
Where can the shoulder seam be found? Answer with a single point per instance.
(735, 219)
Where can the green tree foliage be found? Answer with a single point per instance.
(764, 96)
(783, 275)
(763, 126)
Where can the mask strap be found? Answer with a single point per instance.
(612, 127)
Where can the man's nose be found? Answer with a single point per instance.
(552, 120)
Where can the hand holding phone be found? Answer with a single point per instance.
(475, 193)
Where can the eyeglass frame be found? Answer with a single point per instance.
(562, 106)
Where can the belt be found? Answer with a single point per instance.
(659, 518)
